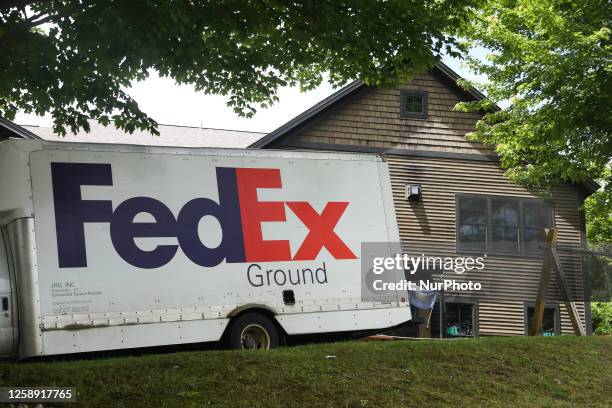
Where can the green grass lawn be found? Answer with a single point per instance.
(505, 372)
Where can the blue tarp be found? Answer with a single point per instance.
(422, 299)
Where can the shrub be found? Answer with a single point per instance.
(601, 314)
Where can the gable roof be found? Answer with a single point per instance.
(169, 135)
(440, 69)
(10, 129)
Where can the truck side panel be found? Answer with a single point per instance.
(345, 320)
(132, 336)
(118, 206)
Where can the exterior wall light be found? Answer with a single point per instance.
(413, 192)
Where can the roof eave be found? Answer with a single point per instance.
(453, 77)
(17, 130)
(307, 114)
(589, 186)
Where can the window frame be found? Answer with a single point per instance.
(413, 115)
(445, 299)
(555, 307)
(522, 252)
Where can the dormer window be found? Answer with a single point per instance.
(413, 104)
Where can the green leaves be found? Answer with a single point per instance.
(602, 318)
(551, 59)
(80, 64)
(599, 217)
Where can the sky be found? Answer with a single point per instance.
(172, 104)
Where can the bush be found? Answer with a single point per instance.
(601, 314)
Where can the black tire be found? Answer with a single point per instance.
(253, 331)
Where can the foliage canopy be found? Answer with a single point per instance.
(552, 60)
(75, 58)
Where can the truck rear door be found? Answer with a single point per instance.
(7, 331)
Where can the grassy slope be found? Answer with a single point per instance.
(564, 371)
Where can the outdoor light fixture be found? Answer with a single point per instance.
(413, 192)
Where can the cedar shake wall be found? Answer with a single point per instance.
(373, 119)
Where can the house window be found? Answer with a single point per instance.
(501, 224)
(459, 319)
(413, 104)
(536, 216)
(504, 225)
(472, 229)
(551, 325)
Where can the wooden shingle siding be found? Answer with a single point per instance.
(505, 319)
(372, 120)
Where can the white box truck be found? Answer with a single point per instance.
(109, 247)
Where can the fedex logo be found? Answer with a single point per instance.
(238, 211)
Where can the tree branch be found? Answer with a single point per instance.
(9, 4)
(37, 20)
(33, 22)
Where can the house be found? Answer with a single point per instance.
(466, 207)
(464, 204)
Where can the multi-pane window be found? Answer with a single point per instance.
(501, 224)
(413, 104)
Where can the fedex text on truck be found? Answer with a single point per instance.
(238, 211)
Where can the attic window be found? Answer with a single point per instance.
(413, 104)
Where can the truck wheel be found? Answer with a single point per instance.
(253, 331)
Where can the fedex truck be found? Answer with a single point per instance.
(109, 247)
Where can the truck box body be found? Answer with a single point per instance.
(108, 247)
